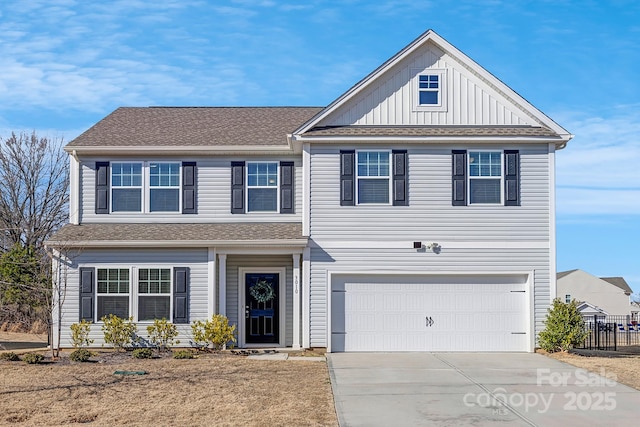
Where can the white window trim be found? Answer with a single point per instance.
(133, 289)
(247, 187)
(389, 178)
(145, 188)
(469, 177)
(415, 89)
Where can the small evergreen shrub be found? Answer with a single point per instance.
(9, 356)
(33, 358)
(80, 334)
(80, 355)
(183, 354)
(142, 353)
(162, 334)
(118, 332)
(564, 327)
(215, 332)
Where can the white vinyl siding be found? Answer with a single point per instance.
(214, 195)
(478, 239)
(391, 100)
(194, 259)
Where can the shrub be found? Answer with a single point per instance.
(118, 332)
(33, 358)
(81, 355)
(80, 334)
(142, 353)
(9, 356)
(183, 354)
(162, 334)
(216, 332)
(564, 327)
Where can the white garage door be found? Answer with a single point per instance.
(432, 313)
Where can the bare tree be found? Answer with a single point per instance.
(34, 184)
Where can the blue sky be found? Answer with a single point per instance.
(65, 64)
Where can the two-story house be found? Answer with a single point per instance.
(415, 212)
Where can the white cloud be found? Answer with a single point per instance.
(599, 171)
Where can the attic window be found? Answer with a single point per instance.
(429, 90)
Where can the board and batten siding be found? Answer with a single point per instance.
(214, 194)
(194, 259)
(474, 239)
(390, 99)
(255, 262)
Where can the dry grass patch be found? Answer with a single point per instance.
(211, 390)
(625, 363)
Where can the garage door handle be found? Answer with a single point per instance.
(429, 321)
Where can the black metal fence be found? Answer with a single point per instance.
(610, 332)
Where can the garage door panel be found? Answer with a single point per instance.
(374, 314)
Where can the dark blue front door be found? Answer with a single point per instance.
(261, 308)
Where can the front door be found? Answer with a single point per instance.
(261, 308)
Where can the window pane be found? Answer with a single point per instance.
(164, 200)
(262, 200)
(118, 305)
(164, 174)
(485, 190)
(153, 307)
(126, 174)
(129, 200)
(485, 163)
(373, 191)
(373, 163)
(262, 174)
(428, 97)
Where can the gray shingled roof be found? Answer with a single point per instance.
(433, 131)
(619, 282)
(178, 234)
(195, 126)
(565, 273)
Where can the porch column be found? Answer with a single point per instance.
(296, 301)
(211, 273)
(222, 284)
(305, 289)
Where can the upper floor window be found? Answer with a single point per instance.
(262, 187)
(567, 298)
(373, 177)
(145, 187)
(164, 187)
(126, 187)
(485, 177)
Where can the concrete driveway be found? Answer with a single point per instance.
(474, 389)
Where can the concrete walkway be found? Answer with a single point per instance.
(474, 389)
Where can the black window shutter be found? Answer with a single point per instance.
(286, 187)
(102, 187)
(512, 178)
(459, 178)
(400, 178)
(237, 187)
(181, 295)
(347, 178)
(87, 296)
(189, 188)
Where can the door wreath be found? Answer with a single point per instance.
(262, 291)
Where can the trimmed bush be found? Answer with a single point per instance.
(142, 353)
(183, 354)
(215, 332)
(162, 334)
(9, 356)
(33, 358)
(80, 355)
(564, 327)
(118, 332)
(80, 334)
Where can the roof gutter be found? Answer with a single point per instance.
(173, 150)
(178, 243)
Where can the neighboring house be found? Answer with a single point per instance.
(415, 212)
(609, 294)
